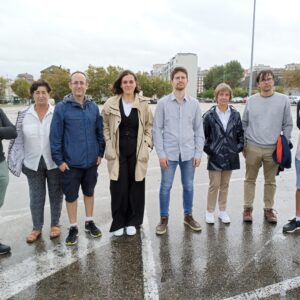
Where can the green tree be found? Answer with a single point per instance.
(207, 94)
(3, 83)
(153, 86)
(58, 79)
(233, 73)
(291, 79)
(161, 87)
(21, 88)
(230, 73)
(96, 77)
(214, 76)
(239, 92)
(101, 81)
(279, 89)
(112, 73)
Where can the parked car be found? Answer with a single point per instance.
(237, 100)
(153, 101)
(294, 99)
(245, 100)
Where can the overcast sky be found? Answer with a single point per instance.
(136, 34)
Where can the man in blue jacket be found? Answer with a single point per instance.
(77, 147)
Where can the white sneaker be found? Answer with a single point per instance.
(223, 216)
(130, 230)
(119, 232)
(209, 217)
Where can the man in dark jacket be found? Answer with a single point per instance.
(7, 132)
(77, 147)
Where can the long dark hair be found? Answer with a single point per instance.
(117, 90)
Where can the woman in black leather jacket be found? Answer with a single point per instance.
(224, 140)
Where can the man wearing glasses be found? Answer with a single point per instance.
(266, 115)
(77, 146)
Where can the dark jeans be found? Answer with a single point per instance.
(37, 192)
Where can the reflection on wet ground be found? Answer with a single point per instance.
(220, 262)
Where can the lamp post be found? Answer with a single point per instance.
(252, 47)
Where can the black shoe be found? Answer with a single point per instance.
(72, 238)
(292, 226)
(92, 229)
(4, 249)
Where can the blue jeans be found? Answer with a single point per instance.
(187, 178)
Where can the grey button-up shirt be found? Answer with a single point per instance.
(178, 129)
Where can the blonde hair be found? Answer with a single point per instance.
(222, 87)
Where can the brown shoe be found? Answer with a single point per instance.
(270, 215)
(33, 236)
(54, 232)
(247, 214)
(161, 228)
(189, 221)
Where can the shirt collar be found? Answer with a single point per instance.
(221, 112)
(173, 97)
(32, 111)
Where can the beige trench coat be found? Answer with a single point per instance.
(111, 121)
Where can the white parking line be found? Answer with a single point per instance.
(10, 218)
(279, 288)
(15, 279)
(150, 283)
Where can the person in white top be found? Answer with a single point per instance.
(224, 139)
(30, 152)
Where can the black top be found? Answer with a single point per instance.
(7, 132)
(223, 147)
(129, 126)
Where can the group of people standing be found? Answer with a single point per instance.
(63, 147)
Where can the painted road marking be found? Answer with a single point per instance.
(279, 288)
(17, 278)
(150, 282)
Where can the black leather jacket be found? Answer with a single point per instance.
(223, 147)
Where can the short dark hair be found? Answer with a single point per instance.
(179, 69)
(116, 88)
(36, 84)
(78, 72)
(263, 74)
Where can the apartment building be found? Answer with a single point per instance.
(186, 60)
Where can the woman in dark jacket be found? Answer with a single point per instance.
(7, 132)
(224, 139)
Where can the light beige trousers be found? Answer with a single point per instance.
(218, 188)
(255, 158)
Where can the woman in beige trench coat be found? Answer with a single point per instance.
(127, 122)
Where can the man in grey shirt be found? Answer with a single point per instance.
(178, 139)
(267, 115)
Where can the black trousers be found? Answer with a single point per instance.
(127, 195)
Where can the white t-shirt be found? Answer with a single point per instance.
(36, 139)
(127, 107)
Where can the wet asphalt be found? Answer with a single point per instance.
(220, 262)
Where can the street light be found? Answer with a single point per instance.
(252, 47)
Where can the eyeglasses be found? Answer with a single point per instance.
(78, 83)
(129, 81)
(266, 79)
